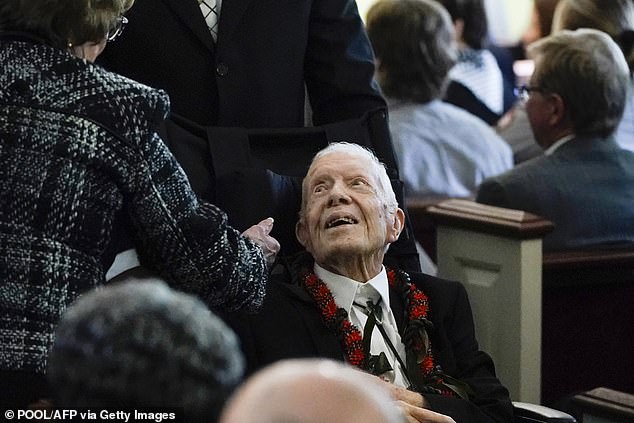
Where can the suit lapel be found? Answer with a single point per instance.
(188, 12)
(231, 12)
(397, 306)
(325, 342)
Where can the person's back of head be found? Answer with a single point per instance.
(62, 22)
(471, 18)
(614, 17)
(311, 391)
(588, 71)
(141, 343)
(414, 43)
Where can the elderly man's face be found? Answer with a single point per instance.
(345, 213)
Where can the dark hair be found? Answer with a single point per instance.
(61, 22)
(473, 14)
(545, 12)
(142, 344)
(414, 43)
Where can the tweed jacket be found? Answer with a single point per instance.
(77, 146)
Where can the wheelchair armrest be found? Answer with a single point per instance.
(533, 413)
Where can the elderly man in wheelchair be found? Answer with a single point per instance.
(338, 300)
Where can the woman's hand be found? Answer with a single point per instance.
(260, 235)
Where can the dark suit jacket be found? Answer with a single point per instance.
(254, 76)
(289, 326)
(586, 188)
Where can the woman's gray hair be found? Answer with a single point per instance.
(614, 17)
(588, 70)
(415, 45)
(61, 22)
(385, 192)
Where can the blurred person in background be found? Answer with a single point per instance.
(584, 182)
(312, 390)
(443, 151)
(477, 84)
(615, 18)
(141, 344)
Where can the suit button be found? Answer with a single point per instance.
(222, 69)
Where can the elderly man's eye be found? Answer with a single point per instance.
(319, 188)
(359, 182)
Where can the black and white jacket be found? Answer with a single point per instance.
(78, 144)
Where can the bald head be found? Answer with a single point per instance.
(311, 391)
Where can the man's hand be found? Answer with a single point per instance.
(260, 235)
(415, 414)
(410, 397)
(414, 406)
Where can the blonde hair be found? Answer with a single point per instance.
(614, 17)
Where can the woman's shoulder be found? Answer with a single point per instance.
(123, 88)
(53, 79)
(123, 97)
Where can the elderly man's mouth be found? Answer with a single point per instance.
(340, 221)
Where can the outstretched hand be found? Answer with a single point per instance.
(260, 235)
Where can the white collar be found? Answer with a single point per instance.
(344, 290)
(561, 141)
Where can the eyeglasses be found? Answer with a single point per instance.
(116, 28)
(524, 92)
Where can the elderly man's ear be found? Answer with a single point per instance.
(397, 226)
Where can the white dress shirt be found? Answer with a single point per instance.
(443, 150)
(346, 291)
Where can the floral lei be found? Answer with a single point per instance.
(429, 378)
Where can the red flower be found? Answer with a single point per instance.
(331, 309)
(419, 312)
(427, 364)
(351, 338)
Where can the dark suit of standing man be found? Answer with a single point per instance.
(254, 75)
(267, 56)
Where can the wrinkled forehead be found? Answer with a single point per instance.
(342, 164)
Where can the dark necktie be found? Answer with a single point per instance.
(377, 364)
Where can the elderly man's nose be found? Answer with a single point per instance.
(338, 195)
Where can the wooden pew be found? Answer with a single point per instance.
(579, 321)
(588, 322)
(603, 405)
(496, 253)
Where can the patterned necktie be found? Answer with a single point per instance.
(210, 12)
(380, 331)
